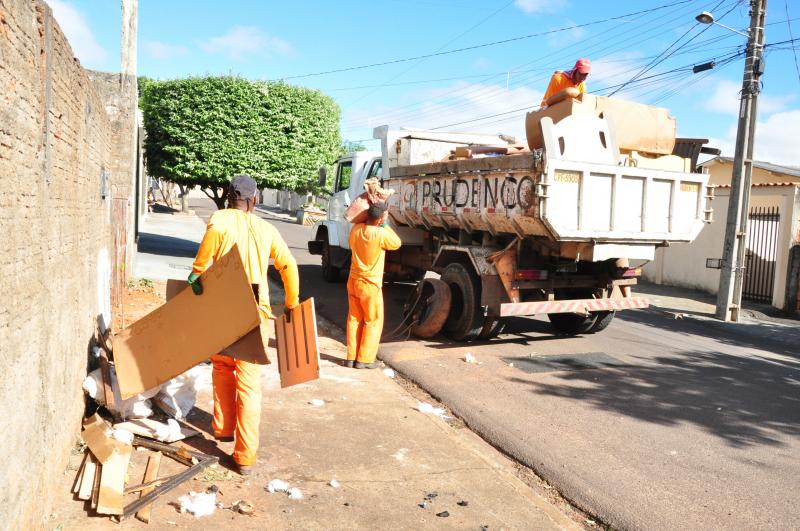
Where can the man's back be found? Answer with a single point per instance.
(368, 244)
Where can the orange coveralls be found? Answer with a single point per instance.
(559, 82)
(369, 244)
(237, 383)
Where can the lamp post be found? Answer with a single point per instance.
(729, 296)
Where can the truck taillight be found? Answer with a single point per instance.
(632, 272)
(531, 274)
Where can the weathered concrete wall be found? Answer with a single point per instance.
(55, 141)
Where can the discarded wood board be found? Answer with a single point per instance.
(188, 329)
(297, 346)
(90, 470)
(151, 428)
(97, 436)
(79, 476)
(252, 347)
(111, 499)
(150, 474)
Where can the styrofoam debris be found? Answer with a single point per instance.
(176, 397)
(316, 402)
(469, 358)
(198, 503)
(424, 407)
(123, 436)
(277, 485)
(511, 364)
(335, 484)
(389, 372)
(295, 494)
(136, 407)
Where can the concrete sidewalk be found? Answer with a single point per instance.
(397, 467)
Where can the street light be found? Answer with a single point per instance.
(731, 276)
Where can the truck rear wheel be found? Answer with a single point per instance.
(330, 272)
(465, 319)
(603, 320)
(433, 307)
(571, 323)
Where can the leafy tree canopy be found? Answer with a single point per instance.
(203, 130)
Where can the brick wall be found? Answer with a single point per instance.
(55, 140)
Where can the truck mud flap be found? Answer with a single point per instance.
(572, 306)
(315, 246)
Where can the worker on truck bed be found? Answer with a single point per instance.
(569, 84)
(369, 242)
(237, 383)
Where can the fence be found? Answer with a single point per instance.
(761, 254)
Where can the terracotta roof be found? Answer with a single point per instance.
(792, 171)
(759, 185)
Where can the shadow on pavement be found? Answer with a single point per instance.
(167, 245)
(745, 401)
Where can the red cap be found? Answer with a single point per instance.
(583, 65)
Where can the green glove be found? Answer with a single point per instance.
(194, 282)
(384, 225)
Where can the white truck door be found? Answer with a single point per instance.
(341, 199)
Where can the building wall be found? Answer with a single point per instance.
(720, 173)
(55, 141)
(684, 265)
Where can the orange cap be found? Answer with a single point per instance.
(583, 65)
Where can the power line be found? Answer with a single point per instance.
(484, 45)
(789, 24)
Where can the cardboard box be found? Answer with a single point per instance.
(188, 329)
(635, 126)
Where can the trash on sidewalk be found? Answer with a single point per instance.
(295, 494)
(424, 407)
(443, 514)
(335, 484)
(102, 476)
(177, 397)
(135, 407)
(243, 507)
(187, 329)
(296, 345)
(469, 358)
(198, 503)
(316, 402)
(277, 485)
(389, 372)
(168, 432)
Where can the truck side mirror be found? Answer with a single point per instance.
(323, 177)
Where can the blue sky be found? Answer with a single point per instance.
(486, 88)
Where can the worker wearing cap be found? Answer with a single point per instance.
(237, 383)
(369, 242)
(569, 84)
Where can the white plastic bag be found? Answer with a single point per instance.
(176, 397)
(136, 407)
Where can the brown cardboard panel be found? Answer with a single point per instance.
(636, 127)
(297, 346)
(252, 347)
(112, 483)
(187, 329)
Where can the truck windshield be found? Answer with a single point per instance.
(343, 175)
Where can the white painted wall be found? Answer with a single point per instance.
(684, 265)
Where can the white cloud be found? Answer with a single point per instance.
(453, 104)
(164, 51)
(563, 38)
(78, 33)
(540, 6)
(242, 41)
(725, 99)
(776, 139)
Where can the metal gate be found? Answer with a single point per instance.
(761, 254)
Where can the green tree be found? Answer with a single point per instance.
(203, 130)
(348, 146)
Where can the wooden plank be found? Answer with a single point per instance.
(111, 498)
(252, 347)
(149, 428)
(97, 436)
(297, 345)
(188, 329)
(96, 484)
(89, 474)
(79, 475)
(150, 474)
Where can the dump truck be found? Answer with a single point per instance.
(492, 230)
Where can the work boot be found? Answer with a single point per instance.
(226, 439)
(361, 365)
(349, 363)
(244, 470)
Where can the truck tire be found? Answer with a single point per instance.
(465, 319)
(330, 272)
(603, 319)
(571, 324)
(433, 309)
(492, 327)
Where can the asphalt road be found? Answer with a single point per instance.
(655, 423)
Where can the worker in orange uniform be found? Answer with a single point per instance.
(369, 242)
(569, 84)
(237, 383)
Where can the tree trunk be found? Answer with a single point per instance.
(184, 198)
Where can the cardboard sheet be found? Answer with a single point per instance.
(252, 347)
(296, 345)
(635, 126)
(188, 329)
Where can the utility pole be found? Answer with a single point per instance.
(729, 297)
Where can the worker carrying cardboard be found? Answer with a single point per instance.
(369, 242)
(237, 383)
(569, 84)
